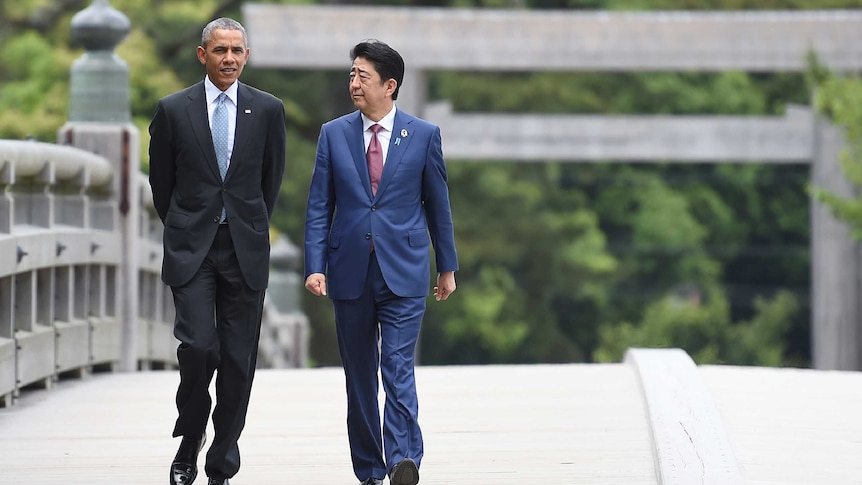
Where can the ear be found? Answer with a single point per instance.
(391, 84)
(202, 55)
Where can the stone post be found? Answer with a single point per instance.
(100, 122)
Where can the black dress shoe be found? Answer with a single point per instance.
(215, 481)
(404, 473)
(184, 468)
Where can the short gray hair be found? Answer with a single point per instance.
(222, 23)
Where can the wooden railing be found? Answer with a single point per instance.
(59, 255)
(61, 271)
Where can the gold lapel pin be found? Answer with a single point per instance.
(404, 133)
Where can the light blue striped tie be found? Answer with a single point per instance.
(220, 138)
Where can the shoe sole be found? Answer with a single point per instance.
(405, 473)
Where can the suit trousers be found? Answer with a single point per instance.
(379, 331)
(218, 325)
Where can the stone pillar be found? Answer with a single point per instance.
(835, 263)
(100, 122)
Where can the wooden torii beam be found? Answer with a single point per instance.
(559, 40)
(319, 37)
(630, 138)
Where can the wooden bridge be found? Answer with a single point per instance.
(654, 419)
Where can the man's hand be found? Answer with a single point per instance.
(316, 284)
(445, 285)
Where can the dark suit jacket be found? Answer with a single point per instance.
(409, 213)
(189, 194)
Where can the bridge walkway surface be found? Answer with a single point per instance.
(644, 421)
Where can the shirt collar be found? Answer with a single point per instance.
(387, 122)
(212, 91)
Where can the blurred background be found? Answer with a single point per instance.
(560, 262)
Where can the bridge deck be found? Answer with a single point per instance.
(488, 425)
(483, 425)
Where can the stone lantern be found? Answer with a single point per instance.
(100, 89)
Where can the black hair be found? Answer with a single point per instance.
(387, 61)
(225, 24)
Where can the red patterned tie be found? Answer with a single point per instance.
(375, 159)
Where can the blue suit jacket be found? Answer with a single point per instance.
(409, 213)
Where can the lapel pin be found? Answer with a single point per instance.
(248, 111)
(404, 133)
(397, 141)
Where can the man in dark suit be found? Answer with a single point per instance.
(378, 199)
(217, 153)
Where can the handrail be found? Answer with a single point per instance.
(61, 252)
(63, 260)
(29, 159)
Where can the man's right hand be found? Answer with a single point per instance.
(316, 284)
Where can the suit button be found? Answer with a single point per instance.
(216, 219)
(367, 235)
(373, 208)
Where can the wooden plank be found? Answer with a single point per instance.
(791, 426)
(483, 425)
(488, 425)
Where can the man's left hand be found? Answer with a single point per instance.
(445, 285)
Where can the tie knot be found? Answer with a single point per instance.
(376, 128)
(221, 97)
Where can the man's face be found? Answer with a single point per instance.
(370, 95)
(224, 56)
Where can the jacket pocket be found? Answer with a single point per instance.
(177, 220)
(418, 238)
(260, 223)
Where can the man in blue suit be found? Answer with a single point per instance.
(367, 238)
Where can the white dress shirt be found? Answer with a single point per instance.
(230, 103)
(384, 135)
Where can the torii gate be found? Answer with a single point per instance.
(568, 40)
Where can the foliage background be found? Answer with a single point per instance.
(560, 262)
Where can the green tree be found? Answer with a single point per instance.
(560, 262)
(700, 324)
(35, 94)
(839, 99)
(527, 246)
